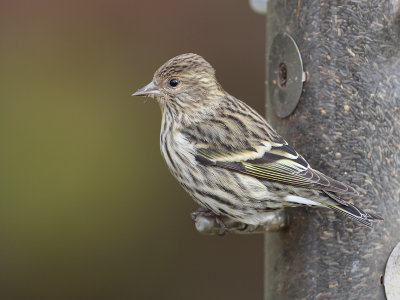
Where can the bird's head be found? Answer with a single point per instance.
(184, 81)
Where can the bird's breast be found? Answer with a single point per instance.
(178, 153)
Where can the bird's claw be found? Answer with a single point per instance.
(222, 227)
(201, 211)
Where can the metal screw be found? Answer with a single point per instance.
(282, 75)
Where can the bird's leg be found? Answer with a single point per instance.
(205, 212)
(222, 228)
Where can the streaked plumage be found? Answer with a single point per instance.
(227, 157)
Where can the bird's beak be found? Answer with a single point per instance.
(149, 90)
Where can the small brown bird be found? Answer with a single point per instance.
(227, 157)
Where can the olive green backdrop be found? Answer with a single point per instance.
(88, 209)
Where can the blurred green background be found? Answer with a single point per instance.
(88, 209)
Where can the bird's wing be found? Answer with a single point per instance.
(277, 162)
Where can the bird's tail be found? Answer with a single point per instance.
(351, 210)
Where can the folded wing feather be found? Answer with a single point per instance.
(280, 163)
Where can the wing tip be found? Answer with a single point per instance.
(373, 217)
(357, 214)
(353, 191)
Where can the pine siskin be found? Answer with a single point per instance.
(227, 157)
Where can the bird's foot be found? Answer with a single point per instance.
(201, 211)
(222, 227)
(205, 212)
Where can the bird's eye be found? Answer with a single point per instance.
(173, 82)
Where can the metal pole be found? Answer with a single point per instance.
(347, 125)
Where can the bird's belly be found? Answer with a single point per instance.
(240, 197)
(225, 192)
